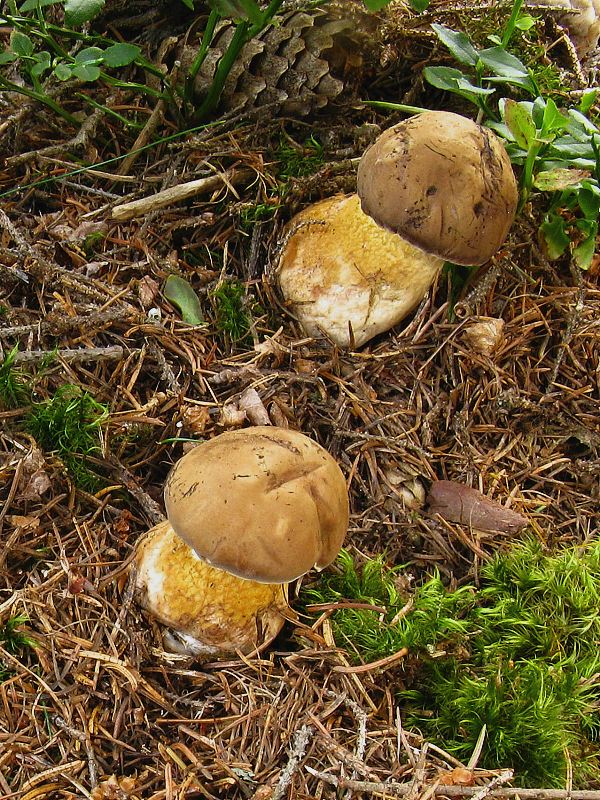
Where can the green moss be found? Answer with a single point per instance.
(299, 161)
(15, 390)
(518, 655)
(69, 424)
(231, 311)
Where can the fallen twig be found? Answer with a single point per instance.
(114, 352)
(382, 663)
(175, 194)
(396, 789)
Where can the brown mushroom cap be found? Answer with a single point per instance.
(443, 183)
(266, 504)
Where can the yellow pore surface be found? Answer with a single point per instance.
(220, 611)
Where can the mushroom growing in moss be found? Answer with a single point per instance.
(248, 512)
(435, 187)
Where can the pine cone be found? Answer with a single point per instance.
(300, 64)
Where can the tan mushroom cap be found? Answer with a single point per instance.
(266, 504)
(443, 183)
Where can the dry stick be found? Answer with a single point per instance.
(573, 318)
(84, 738)
(150, 506)
(383, 663)
(74, 355)
(175, 194)
(464, 308)
(395, 789)
(22, 247)
(65, 324)
(299, 745)
(143, 139)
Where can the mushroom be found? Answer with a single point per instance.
(435, 187)
(248, 512)
(344, 275)
(443, 183)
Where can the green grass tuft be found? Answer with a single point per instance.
(299, 162)
(232, 316)
(14, 388)
(69, 424)
(519, 655)
(14, 641)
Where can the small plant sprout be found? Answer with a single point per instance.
(12, 638)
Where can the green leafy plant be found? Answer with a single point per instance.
(560, 154)
(69, 424)
(517, 656)
(14, 387)
(42, 50)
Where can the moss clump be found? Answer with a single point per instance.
(15, 390)
(518, 655)
(69, 424)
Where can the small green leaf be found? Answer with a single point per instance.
(6, 57)
(21, 44)
(418, 5)
(587, 101)
(453, 80)
(89, 55)
(555, 180)
(179, 292)
(555, 238)
(63, 71)
(553, 119)
(589, 203)
(121, 54)
(86, 72)
(42, 64)
(77, 12)
(525, 23)
(503, 63)
(188, 4)
(519, 122)
(584, 253)
(458, 44)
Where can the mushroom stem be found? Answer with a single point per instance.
(209, 611)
